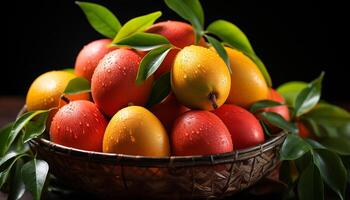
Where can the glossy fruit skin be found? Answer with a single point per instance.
(168, 110)
(89, 57)
(46, 90)
(247, 82)
(200, 133)
(136, 131)
(198, 72)
(113, 82)
(179, 34)
(80, 125)
(244, 128)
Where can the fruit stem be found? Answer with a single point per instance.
(212, 98)
(65, 99)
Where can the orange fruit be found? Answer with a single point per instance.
(200, 79)
(46, 90)
(136, 131)
(247, 82)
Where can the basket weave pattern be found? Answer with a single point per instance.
(111, 175)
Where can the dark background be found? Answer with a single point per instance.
(296, 39)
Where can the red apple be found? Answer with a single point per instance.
(200, 133)
(113, 82)
(89, 57)
(79, 124)
(245, 129)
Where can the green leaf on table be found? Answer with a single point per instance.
(4, 134)
(310, 185)
(258, 106)
(136, 25)
(293, 147)
(143, 41)
(160, 89)
(150, 63)
(77, 85)
(278, 121)
(329, 121)
(34, 175)
(332, 170)
(235, 38)
(17, 187)
(290, 91)
(220, 50)
(35, 128)
(17, 127)
(340, 146)
(190, 10)
(308, 97)
(100, 18)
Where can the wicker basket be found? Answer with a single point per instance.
(186, 177)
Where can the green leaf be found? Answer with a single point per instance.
(258, 106)
(290, 91)
(150, 63)
(266, 128)
(160, 89)
(340, 146)
(278, 121)
(234, 37)
(4, 134)
(10, 156)
(136, 25)
(17, 188)
(34, 175)
(35, 128)
(100, 18)
(143, 41)
(5, 174)
(70, 70)
(328, 120)
(308, 97)
(310, 185)
(220, 50)
(314, 144)
(77, 85)
(230, 34)
(332, 170)
(190, 10)
(293, 147)
(20, 123)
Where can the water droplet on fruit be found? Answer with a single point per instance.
(103, 84)
(75, 136)
(186, 134)
(58, 127)
(109, 70)
(185, 76)
(84, 114)
(87, 124)
(80, 123)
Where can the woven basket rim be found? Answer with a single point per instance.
(166, 161)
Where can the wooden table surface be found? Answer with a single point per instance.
(10, 105)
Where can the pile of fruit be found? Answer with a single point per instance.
(173, 88)
(204, 112)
